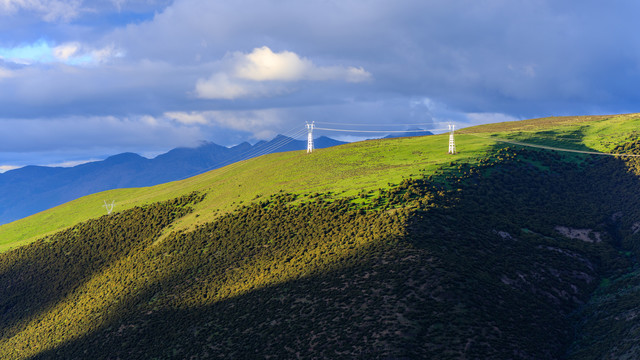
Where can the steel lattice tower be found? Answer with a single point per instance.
(310, 137)
(452, 142)
(108, 206)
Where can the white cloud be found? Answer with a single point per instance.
(486, 118)
(65, 51)
(187, 118)
(259, 123)
(70, 53)
(357, 74)
(50, 10)
(72, 163)
(261, 72)
(253, 121)
(5, 168)
(220, 86)
(118, 4)
(5, 73)
(262, 64)
(105, 54)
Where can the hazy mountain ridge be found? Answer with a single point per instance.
(31, 189)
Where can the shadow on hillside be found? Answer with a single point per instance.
(498, 238)
(364, 311)
(42, 274)
(560, 140)
(487, 277)
(37, 281)
(570, 140)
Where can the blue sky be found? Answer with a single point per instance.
(80, 80)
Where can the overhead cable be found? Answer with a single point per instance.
(379, 131)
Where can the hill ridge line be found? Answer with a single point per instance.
(546, 147)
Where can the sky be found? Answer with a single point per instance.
(81, 80)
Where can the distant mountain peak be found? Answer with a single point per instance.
(124, 157)
(36, 188)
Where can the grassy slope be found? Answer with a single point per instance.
(343, 170)
(600, 133)
(346, 169)
(475, 271)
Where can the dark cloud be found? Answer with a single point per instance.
(71, 133)
(429, 61)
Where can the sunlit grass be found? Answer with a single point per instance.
(181, 273)
(343, 170)
(589, 133)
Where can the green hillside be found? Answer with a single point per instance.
(380, 249)
(591, 133)
(342, 170)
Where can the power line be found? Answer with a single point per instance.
(288, 137)
(267, 150)
(286, 140)
(379, 131)
(333, 123)
(262, 150)
(270, 148)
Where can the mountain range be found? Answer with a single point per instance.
(32, 189)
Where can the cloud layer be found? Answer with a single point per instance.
(234, 71)
(71, 53)
(49, 10)
(262, 72)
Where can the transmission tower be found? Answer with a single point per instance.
(452, 142)
(310, 137)
(109, 206)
